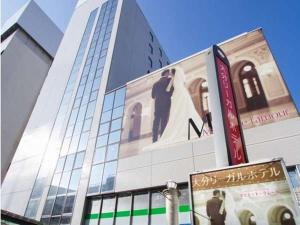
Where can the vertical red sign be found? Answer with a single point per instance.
(232, 126)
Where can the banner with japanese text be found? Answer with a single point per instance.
(249, 194)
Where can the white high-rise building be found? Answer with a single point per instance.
(106, 44)
(29, 41)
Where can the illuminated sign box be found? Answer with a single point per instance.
(258, 193)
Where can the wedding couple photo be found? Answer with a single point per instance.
(158, 108)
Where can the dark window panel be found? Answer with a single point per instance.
(69, 204)
(58, 205)
(48, 206)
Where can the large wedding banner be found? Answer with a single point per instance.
(250, 194)
(158, 105)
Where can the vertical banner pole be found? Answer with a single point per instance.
(228, 135)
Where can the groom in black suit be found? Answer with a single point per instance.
(213, 206)
(162, 100)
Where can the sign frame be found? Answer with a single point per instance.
(221, 133)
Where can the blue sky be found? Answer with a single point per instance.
(185, 27)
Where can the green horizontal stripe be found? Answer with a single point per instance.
(122, 213)
(140, 212)
(106, 215)
(137, 212)
(184, 208)
(93, 216)
(156, 211)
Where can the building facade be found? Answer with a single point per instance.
(90, 153)
(29, 41)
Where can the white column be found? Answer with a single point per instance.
(216, 112)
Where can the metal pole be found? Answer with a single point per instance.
(172, 202)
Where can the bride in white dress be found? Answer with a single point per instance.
(182, 108)
(229, 205)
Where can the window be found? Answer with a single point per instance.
(58, 205)
(118, 112)
(79, 160)
(105, 116)
(160, 52)
(69, 162)
(83, 141)
(184, 208)
(151, 36)
(45, 220)
(119, 97)
(294, 175)
(150, 64)
(141, 204)
(54, 184)
(123, 210)
(75, 178)
(55, 220)
(112, 152)
(150, 49)
(65, 220)
(104, 128)
(99, 155)
(69, 204)
(157, 202)
(160, 63)
(108, 208)
(48, 206)
(114, 137)
(92, 209)
(116, 124)
(63, 186)
(95, 178)
(32, 208)
(109, 175)
(108, 102)
(38, 188)
(102, 140)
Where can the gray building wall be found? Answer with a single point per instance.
(132, 52)
(24, 66)
(29, 41)
(37, 24)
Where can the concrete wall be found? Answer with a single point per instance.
(37, 24)
(154, 168)
(24, 68)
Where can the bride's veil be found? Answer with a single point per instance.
(230, 206)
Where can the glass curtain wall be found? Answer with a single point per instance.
(104, 169)
(66, 178)
(61, 116)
